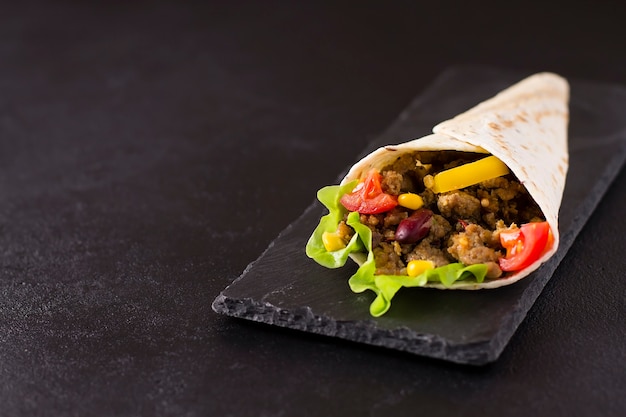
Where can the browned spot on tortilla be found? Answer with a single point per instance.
(524, 171)
(521, 118)
(390, 149)
(499, 139)
(504, 124)
(524, 146)
(547, 113)
(561, 170)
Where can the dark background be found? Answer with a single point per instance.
(150, 150)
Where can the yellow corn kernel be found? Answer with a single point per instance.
(469, 174)
(410, 201)
(415, 268)
(332, 241)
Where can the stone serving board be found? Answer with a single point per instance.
(285, 288)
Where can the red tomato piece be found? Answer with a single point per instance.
(368, 196)
(524, 245)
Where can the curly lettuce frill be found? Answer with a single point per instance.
(329, 197)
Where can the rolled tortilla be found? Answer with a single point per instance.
(525, 126)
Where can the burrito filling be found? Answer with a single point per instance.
(430, 216)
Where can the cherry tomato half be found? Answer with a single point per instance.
(368, 196)
(524, 245)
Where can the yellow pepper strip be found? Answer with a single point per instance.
(332, 241)
(415, 268)
(468, 174)
(410, 201)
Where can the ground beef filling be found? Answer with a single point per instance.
(466, 223)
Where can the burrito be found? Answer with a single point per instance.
(474, 205)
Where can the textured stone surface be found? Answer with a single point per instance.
(284, 288)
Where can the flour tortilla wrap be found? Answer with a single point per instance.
(525, 126)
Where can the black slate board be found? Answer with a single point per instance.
(285, 288)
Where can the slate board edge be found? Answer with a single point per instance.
(402, 339)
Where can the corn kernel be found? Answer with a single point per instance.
(332, 241)
(415, 268)
(410, 201)
(429, 181)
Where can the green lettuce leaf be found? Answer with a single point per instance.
(329, 197)
(386, 286)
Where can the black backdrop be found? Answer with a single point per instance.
(150, 150)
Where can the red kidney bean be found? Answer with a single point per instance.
(415, 227)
